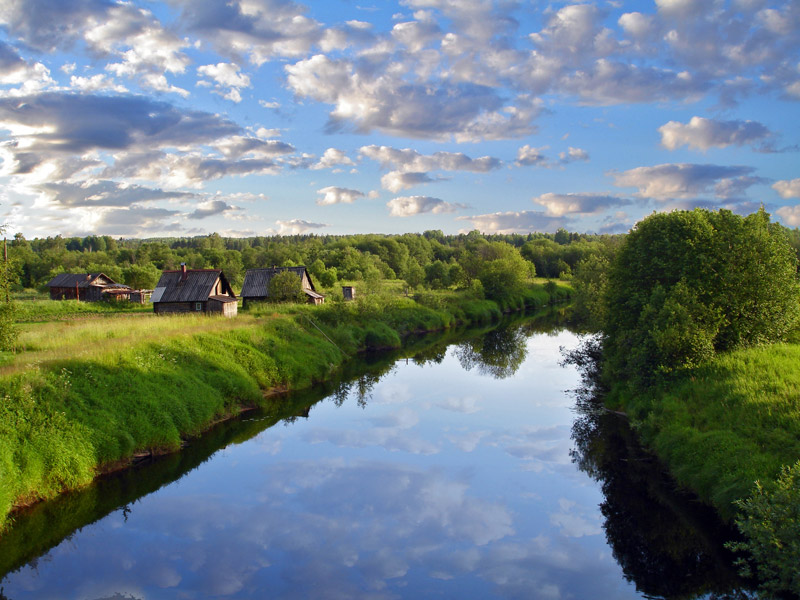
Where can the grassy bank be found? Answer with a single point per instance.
(727, 424)
(87, 395)
(724, 426)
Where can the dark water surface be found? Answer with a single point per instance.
(463, 472)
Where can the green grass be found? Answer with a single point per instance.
(727, 424)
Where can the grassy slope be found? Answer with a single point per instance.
(725, 425)
(86, 394)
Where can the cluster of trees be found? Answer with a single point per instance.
(687, 284)
(432, 260)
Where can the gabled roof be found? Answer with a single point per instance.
(256, 281)
(198, 286)
(81, 280)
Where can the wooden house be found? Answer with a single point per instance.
(194, 290)
(256, 284)
(81, 286)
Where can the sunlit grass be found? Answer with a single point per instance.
(729, 423)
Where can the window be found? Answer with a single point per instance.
(198, 306)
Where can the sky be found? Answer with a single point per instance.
(144, 118)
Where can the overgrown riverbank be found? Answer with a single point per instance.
(89, 396)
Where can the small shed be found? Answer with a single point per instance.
(123, 293)
(256, 284)
(80, 286)
(348, 292)
(194, 290)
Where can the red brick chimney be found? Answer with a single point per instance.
(183, 271)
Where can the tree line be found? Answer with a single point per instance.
(429, 260)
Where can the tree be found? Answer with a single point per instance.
(141, 276)
(285, 287)
(686, 284)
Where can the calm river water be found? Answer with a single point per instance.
(463, 472)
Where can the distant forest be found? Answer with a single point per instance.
(430, 259)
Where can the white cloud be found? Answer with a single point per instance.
(226, 76)
(337, 195)
(572, 155)
(790, 215)
(333, 157)
(389, 101)
(558, 205)
(702, 134)
(396, 181)
(407, 206)
(528, 156)
(524, 221)
(682, 181)
(296, 226)
(96, 83)
(787, 188)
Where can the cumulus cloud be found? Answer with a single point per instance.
(790, 215)
(410, 168)
(259, 31)
(408, 160)
(134, 36)
(572, 155)
(524, 221)
(227, 80)
(297, 226)
(386, 101)
(702, 134)
(558, 205)
(682, 181)
(210, 209)
(338, 195)
(396, 181)
(528, 156)
(407, 206)
(103, 194)
(333, 157)
(14, 70)
(787, 188)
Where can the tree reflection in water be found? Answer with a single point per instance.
(667, 543)
(498, 353)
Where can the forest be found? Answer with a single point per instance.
(431, 259)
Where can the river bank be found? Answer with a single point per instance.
(113, 390)
(729, 431)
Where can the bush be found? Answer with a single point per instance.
(770, 522)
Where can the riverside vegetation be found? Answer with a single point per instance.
(697, 320)
(86, 395)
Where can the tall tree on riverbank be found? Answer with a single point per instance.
(686, 284)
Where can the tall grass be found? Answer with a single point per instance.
(727, 424)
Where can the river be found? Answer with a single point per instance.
(463, 471)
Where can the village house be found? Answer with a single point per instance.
(194, 290)
(81, 286)
(256, 284)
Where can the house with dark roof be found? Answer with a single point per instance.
(81, 286)
(194, 290)
(256, 284)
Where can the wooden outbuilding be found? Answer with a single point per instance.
(256, 284)
(194, 290)
(80, 286)
(348, 292)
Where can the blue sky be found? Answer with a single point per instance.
(259, 117)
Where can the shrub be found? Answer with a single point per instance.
(770, 522)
